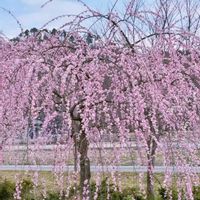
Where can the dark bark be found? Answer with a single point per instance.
(81, 146)
(85, 174)
(151, 161)
(75, 155)
(75, 132)
(150, 186)
(152, 146)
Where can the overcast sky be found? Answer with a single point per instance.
(30, 14)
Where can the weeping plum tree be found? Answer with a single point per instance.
(139, 78)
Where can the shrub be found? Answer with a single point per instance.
(115, 194)
(7, 190)
(196, 192)
(27, 189)
(53, 196)
(164, 194)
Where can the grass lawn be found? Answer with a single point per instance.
(127, 179)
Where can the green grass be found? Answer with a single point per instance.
(127, 179)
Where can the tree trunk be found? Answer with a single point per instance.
(75, 151)
(150, 185)
(84, 166)
(81, 146)
(75, 132)
(152, 145)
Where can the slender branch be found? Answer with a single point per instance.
(13, 16)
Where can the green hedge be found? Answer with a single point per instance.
(7, 190)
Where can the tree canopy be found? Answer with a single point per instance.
(124, 84)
